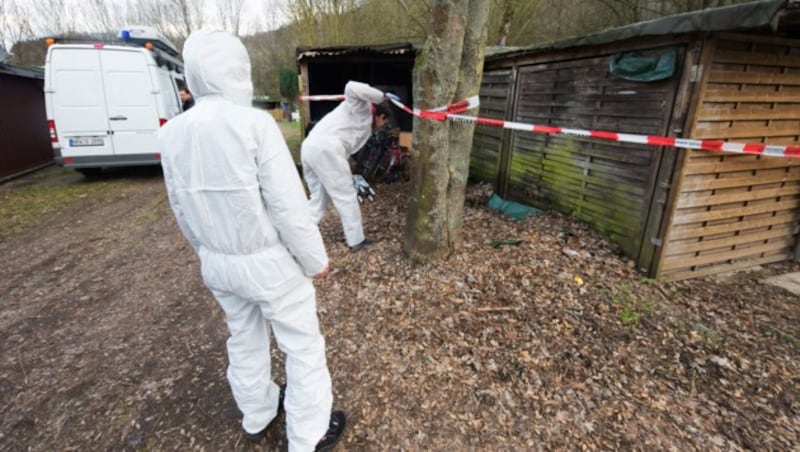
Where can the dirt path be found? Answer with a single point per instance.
(109, 341)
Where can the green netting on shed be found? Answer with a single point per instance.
(639, 68)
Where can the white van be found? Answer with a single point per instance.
(106, 101)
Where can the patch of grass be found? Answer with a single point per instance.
(154, 213)
(22, 206)
(293, 136)
(783, 336)
(633, 307)
(697, 331)
(120, 416)
(667, 373)
(648, 281)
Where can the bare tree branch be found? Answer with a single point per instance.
(229, 14)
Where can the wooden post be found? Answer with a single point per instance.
(504, 159)
(305, 109)
(698, 71)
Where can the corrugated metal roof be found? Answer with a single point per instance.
(760, 14)
(384, 49)
(21, 71)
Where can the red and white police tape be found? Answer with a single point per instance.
(450, 112)
(458, 107)
(339, 97)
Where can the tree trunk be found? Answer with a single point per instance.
(448, 69)
(469, 83)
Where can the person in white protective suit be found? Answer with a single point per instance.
(239, 201)
(325, 152)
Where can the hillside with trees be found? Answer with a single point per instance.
(276, 28)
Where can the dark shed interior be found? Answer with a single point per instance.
(327, 70)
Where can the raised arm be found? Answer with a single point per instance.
(362, 92)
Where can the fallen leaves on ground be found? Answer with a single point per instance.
(536, 334)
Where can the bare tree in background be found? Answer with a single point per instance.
(324, 23)
(229, 15)
(268, 55)
(4, 7)
(317, 22)
(338, 19)
(149, 12)
(394, 21)
(52, 18)
(270, 51)
(192, 15)
(102, 17)
(327, 22)
(304, 21)
(16, 28)
(106, 17)
(513, 21)
(505, 14)
(175, 19)
(418, 13)
(449, 68)
(527, 22)
(623, 12)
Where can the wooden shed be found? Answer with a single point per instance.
(734, 76)
(25, 144)
(326, 70)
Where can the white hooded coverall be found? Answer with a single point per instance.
(325, 153)
(239, 201)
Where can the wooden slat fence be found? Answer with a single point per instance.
(738, 211)
(606, 184)
(487, 142)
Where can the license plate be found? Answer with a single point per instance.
(86, 141)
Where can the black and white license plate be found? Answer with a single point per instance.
(86, 141)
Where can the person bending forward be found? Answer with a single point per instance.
(325, 153)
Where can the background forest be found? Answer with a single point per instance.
(272, 30)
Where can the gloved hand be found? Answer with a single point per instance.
(363, 190)
(392, 96)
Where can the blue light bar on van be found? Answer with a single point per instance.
(125, 34)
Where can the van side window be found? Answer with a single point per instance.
(170, 93)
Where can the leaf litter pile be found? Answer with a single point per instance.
(537, 334)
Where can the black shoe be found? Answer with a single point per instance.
(334, 433)
(364, 243)
(263, 432)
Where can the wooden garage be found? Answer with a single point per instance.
(730, 74)
(25, 144)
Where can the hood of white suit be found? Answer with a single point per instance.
(217, 64)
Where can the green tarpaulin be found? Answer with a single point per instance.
(512, 209)
(640, 68)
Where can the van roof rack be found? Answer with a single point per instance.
(168, 59)
(139, 34)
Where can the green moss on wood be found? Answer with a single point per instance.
(566, 195)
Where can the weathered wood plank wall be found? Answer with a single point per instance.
(24, 138)
(605, 184)
(738, 211)
(495, 92)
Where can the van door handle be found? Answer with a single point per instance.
(118, 118)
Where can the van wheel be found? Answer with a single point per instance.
(89, 173)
